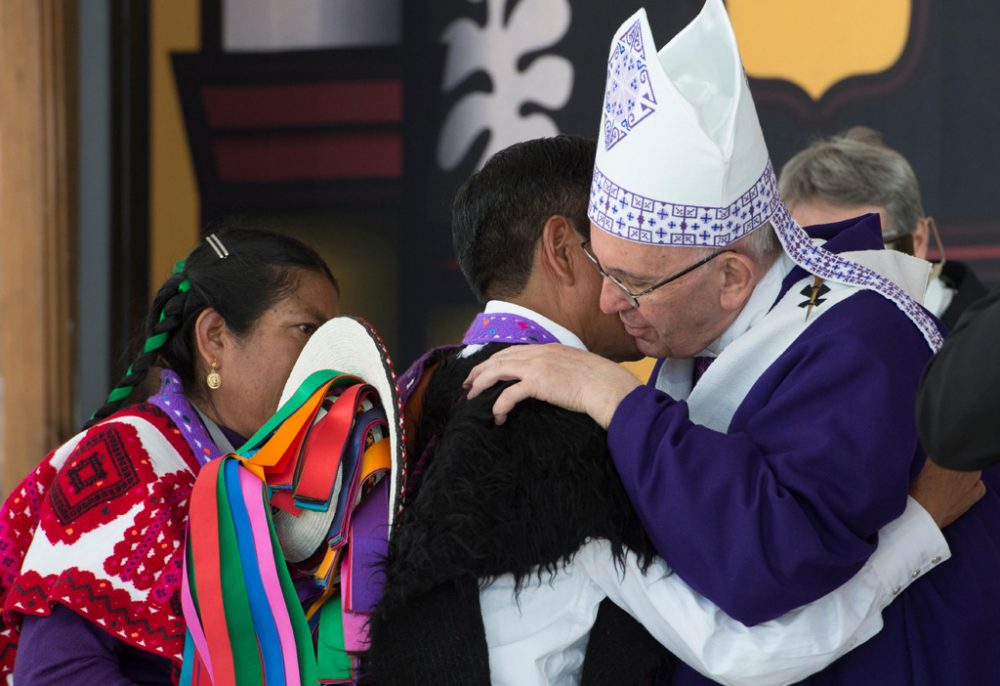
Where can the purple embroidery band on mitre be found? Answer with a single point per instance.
(628, 94)
(174, 403)
(641, 219)
(502, 327)
(636, 218)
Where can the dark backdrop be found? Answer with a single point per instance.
(937, 105)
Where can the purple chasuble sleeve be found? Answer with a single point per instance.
(785, 506)
(65, 648)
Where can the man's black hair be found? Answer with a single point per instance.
(499, 212)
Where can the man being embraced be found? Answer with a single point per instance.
(513, 541)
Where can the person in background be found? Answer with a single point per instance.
(960, 392)
(855, 173)
(93, 538)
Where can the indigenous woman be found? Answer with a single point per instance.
(92, 540)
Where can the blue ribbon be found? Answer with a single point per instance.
(260, 609)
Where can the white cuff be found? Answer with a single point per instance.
(908, 548)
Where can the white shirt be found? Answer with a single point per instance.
(540, 636)
(939, 296)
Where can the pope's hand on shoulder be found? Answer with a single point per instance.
(573, 379)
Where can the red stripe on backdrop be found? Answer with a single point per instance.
(313, 157)
(309, 104)
(967, 252)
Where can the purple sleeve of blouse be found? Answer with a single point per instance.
(65, 648)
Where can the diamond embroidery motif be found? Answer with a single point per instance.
(629, 97)
(103, 478)
(684, 224)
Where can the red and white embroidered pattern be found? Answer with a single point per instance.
(18, 522)
(148, 626)
(128, 474)
(106, 475)
(20, 519)
(156, 535)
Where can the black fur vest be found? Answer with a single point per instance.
(486, 501)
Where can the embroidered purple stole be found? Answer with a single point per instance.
(501, 327)
(174, 403)
(492, 327)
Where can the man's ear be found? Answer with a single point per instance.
(737, 275)
(211, 338)
(921, 238)
(556, 248)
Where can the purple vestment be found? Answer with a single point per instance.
(65, 648)
(786, 505)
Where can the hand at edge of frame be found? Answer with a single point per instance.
(946, 494)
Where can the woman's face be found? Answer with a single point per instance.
(254, 368)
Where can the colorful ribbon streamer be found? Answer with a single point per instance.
(246, 625)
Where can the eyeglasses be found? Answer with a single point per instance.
(634, 297)
(904, 242)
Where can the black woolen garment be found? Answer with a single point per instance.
(968, 289)
(519, 499)
(958, 405)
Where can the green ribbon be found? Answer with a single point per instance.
(242, 638)
(304, 392)
(152, 343)
(159, 340)
(119, 393)
(300, 627)
(155, 342)
(332, 660)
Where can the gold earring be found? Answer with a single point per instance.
(214, 380)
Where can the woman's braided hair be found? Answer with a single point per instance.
(260, 269)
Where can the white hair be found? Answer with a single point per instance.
(761, 245)
(853, 169)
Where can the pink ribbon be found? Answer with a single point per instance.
(251, 487)
(193, 622)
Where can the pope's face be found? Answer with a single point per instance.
(679, 319)
(602, 332)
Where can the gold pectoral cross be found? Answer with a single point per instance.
(817, 283)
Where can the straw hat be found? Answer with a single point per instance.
(351, 346)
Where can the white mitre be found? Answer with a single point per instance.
(681, 158)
